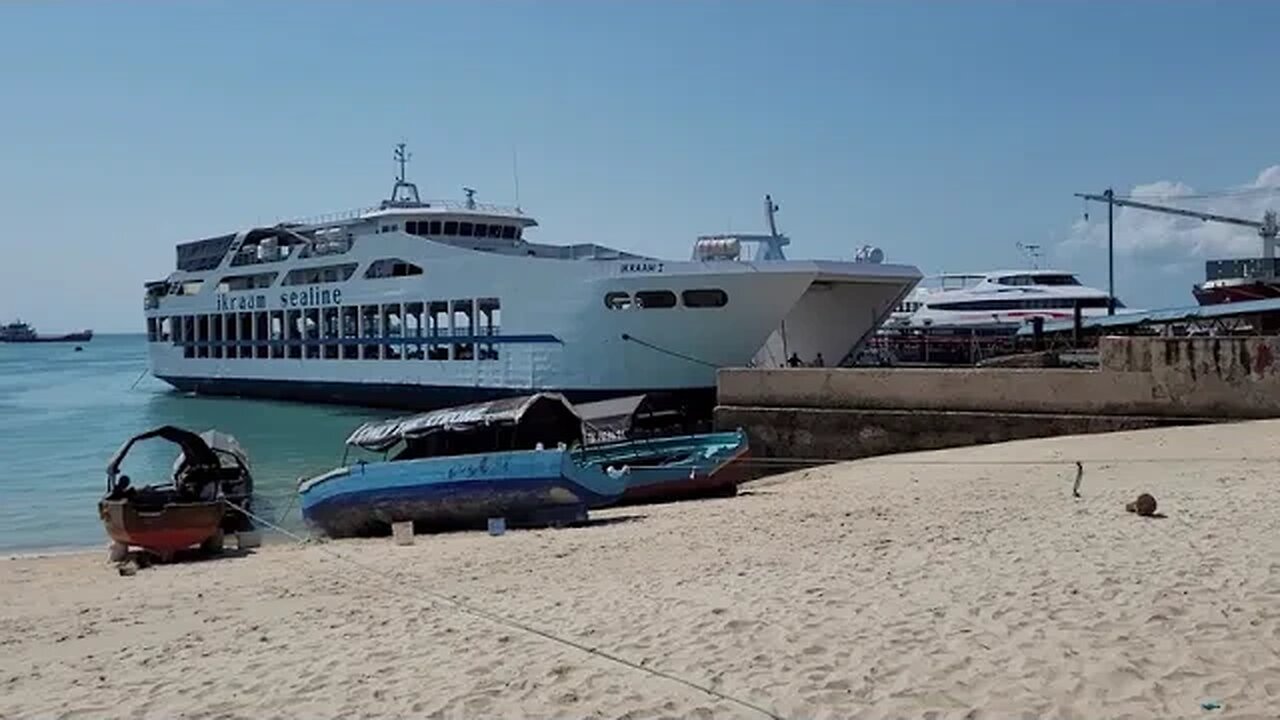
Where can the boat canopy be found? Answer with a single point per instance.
(505, 424)
(633, 416)
(194, 449)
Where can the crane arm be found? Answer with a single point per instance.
(1175, 211)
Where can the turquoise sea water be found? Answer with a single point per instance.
(64, 413)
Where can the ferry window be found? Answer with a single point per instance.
(320, 274)
(234, 283)
(482, 230)
(704, 298)
(411, 227)
(412, 330)
(246, 333)
(166, 329)
(231, 334)
(464, 229)
(370, 328)
(508, 232)
(519, 233)
(490, 323)
(329, 331)
(152, 333)
(617, 300)
(202, 336)
(438, 326)
(190, 287)
(261, 331)
(188, 336)
(463, 326)
(294, 333)
(391, 267)
(649, 299)
(392, 327)
(277, 334)
(216, 323)
(435, 227)
(311, 332)
(350, 331)
(450, 227)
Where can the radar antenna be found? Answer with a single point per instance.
(471, 197)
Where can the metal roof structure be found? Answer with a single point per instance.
(1193, 313)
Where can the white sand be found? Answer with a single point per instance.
(894, 587)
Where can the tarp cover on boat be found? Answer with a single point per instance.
(608, 420)
(193, 447)
(639, 416)
(545, 417)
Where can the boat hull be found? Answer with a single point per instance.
(1242, 291)
(85, 336)
(163, 530)
(677, 468)
(454, 492)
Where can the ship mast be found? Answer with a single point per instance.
(403, 193)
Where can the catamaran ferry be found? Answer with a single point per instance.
(425, 304)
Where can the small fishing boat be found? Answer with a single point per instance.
(191, 509)
(457, 467)
(675, 468)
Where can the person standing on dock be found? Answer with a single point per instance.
(818, 361)
(794, 360)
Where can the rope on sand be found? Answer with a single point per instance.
(508, 622)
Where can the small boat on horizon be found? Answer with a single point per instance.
(20, 332)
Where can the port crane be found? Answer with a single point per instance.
(1268, 228)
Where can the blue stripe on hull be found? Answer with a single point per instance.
(406, 396)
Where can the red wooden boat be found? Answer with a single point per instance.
(195, 508)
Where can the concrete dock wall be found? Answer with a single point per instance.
(1142, 382)
(821, 433)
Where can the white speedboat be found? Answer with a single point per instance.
(999, 300)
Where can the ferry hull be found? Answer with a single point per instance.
(408, 396)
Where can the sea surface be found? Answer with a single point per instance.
(64, 413)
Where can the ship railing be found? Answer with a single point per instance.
(455, 205)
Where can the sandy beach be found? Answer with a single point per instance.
(954, 584)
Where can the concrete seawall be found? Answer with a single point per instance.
(1142, 382)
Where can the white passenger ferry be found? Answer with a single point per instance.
(997, 300)
(424, 304)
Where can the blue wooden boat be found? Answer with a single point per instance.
(674, 468)
(458, 467)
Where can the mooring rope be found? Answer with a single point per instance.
(632, 338)
(139, 378)
(511, 623)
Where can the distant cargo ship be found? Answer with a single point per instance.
(20, 332)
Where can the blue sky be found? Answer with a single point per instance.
(942, 132)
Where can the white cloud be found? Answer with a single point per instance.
(1160, 255)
